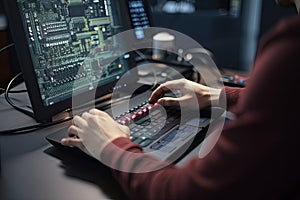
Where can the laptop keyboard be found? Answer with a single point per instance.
(148, 122)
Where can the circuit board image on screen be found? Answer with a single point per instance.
(61, 34)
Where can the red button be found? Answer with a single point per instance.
(127, 119)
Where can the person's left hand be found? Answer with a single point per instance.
(92, 131)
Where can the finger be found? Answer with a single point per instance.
(103, 116)
(95, 111)
(86, 116)
(73, 142)
(73, 131)
(158, 93)
(125, 129)
(168, 101)
(165, 87)
(80, 122)
(100, 113)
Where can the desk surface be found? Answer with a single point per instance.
(33, 169)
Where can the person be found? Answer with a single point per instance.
(257, 154)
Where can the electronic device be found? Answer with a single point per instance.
(55, 37)
(162, 132)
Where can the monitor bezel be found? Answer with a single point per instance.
(42, 113)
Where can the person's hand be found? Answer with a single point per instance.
(92, 131)
(189, 91)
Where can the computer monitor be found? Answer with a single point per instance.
(54, 37)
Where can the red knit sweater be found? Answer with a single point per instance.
(256, 156)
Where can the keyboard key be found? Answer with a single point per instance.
(137, 140)
(132, 125)
(170, 136)
(145, 142)
(137, 134)
(157, 145)
(168, 148)
(132, 138)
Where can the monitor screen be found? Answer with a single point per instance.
(54, 40)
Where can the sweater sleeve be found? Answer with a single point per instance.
(232, 96)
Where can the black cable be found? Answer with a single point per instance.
(1, 51)
(10, 102)
(13, 91)
(6, 47)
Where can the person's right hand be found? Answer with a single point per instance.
(189, 91)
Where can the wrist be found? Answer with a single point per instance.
(215, 96)
(207, 96)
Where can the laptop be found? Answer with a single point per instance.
(67, 50)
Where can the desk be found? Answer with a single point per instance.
(32, 169)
